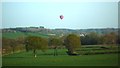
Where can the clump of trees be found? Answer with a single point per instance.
(36, 43)
(55, 43)
(95, 39)
(11, 45)
(90, 39)
(110, 38)
(72, 43)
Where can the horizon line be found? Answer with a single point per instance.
(60, 28)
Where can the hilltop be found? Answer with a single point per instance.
(45, 32)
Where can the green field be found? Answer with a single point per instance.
(47, 59)
(12, 35)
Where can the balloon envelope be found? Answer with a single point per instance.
(61, 17)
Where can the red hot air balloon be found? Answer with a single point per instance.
(61, 17)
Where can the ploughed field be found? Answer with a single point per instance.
(90, 55)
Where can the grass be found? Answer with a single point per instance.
(47, 59)
(15, 35)
(99, 49)
(38, 35)
(12, 35)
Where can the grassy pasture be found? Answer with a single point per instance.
(12, 35)
(89, 55)
(47, 58)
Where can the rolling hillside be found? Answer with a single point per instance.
(45, 32)
(12, 35)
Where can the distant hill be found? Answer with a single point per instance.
(44, 32)
(13, 35)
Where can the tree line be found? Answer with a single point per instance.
(71, 42)
(104, 39)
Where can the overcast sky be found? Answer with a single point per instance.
(77, 15)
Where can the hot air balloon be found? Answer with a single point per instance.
(61, 17)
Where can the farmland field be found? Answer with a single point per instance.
(47, 59)
(12, 35)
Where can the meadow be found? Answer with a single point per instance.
(97, 56)
(90, 55)
(15, 35)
